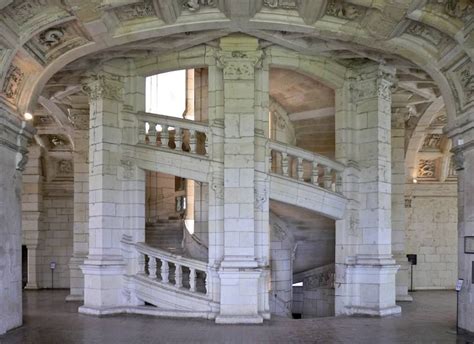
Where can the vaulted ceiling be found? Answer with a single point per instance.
(46, 45)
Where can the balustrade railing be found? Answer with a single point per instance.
(179, 272)
(305, 166)
(173, 133)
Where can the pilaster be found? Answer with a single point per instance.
(463, 143)
(79, 116)
(398, 203)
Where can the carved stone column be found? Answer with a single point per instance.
(32, 215)
(14, 135)
(398, 203)
(240, 271)
(365, 270)
(463, 142)
(80, 120)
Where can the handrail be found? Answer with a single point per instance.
(173, 121)
(177, 134)
(322, 171)
(306, 155)
(170, 257)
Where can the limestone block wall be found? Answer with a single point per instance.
(431, 233)
(58, 225)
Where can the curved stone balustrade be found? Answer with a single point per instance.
(155, 264)
(173, 133)
(305, 166)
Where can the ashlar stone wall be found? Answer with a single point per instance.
(431, 233)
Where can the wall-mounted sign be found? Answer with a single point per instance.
(459, 284)
(412, 258)
(469, 244)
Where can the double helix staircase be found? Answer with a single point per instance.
(166, 275)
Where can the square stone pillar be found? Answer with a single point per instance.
(365, 270)
(32, 215)
(240, 271)
(463, 142)
(116, 186)
(80, 119)
(14, 135)
(398, 204)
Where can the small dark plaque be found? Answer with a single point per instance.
(412, 258)
(469, 244)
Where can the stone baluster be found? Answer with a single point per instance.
(178, 140)
(142, 134)
(338, 182)
(192, 280)
(152, 134)
(152, 267)
(206, 144)
(141, 264)
(192, 140)
(208, 284)
(165, 136)
(179, 276)
(284, 164)
(314, 173)
(165, 271)
(299, 169)
(327, 178)
(270, 162)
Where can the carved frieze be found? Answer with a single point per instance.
(341, 9)
(23, 11)
(284, 4)
(426, 168)
(13, 83)
(324, 279)
(135, 11)
(195, 5)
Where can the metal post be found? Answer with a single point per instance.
(457, 312)
(411, 277)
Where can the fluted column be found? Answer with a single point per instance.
(14, 135)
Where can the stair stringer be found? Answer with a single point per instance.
(305, 195)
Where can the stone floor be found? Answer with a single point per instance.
(48, 319)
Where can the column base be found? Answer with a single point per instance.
(31, 286)
(374, 312)
(402, 279)
(74, 298)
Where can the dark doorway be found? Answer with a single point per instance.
(24, 265)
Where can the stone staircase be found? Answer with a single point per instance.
(166, 235)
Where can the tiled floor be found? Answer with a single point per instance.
(48, 319)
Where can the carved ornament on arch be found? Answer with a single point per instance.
(283, 4)
(195, 5)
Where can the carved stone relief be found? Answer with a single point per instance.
(284, 4)
(65, 167)
(104, 86)
(195, 5)
(426, 32)
(134, 11)
(426, 168)
(432, 142)
(13, 83)
(324, 279)
(341, 9)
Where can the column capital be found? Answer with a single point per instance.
(15, 134)
(103, 85)
(370, 80)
